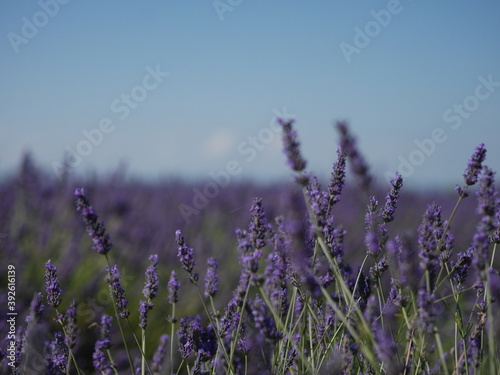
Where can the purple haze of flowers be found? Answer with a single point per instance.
(159, 355)
(36, 309)
(475, 165)
(185, 255)
(258, 229)
(58, 353)
(211, 278)
(152, 280)
(358, 164)
(101, 243)
(52, 285)
(117, 292)
(337, 178)
(392, 198)
(291, 146)
(173, 288)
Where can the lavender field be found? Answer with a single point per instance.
(316, 275)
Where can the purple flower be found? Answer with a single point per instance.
(101, 243)
(159, 355)
(173, 288)
(211, 278)
(358, 164)
(318, 201)
(52, 285)
(480, 246)
(372, 240)
(58, 353)
(195, 338)
(474, 166)
(495, 237)
(487, 195)
(425, 309)
(144, 308)
(264, 321)
(152, 279)
(430, 233)
(392, 198)
(36, 309)
(117, 292)
(258, 229)
(99, 356)
(70, 325)
(291, 146)
(185, 255)
(462, 267)
(249, 257)
(337, 178)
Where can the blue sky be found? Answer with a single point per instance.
(399, 72)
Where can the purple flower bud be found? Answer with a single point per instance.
(159, 355)
(291, 146)
(70, 325)
(36, 309)
(392, 198)
(474, 166)
(173, 288)
(101, 243)
(52, 285)
(144, 308)
(185, 255)
(152, 279)
(337, 178)
(318, 201)
(430, 234)
(58, 353)
(99, 357)
(487, 197)
(211, 278)
(264, 321)
(258, 229)
(117, 292)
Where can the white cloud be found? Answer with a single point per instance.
(219, 143)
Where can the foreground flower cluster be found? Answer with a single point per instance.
(415, 304)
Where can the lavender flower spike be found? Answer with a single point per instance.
(211, 278)
(173, 288)
(70, 325)
(337, 179)
(392, 198)
(100, 360)
(52, 285)
(101, 241)
(475, 165)
(58, 354)
(258, 228)
(159, 354)
(185, 255)
(291, 146)
(152, 280)
(117, 292)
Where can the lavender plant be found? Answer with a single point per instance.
(304, 301)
